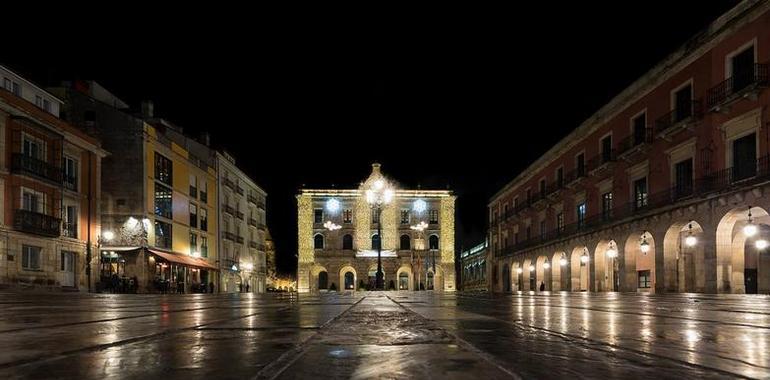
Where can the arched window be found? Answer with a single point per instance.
(347, 242)
(375, 241)
(323, 280)
(433, 242)
(405, 243)
(318, 241)
(349, 280)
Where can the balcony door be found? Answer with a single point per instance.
(743, 69)
(683, 173)
(745, 157)
(683, 103)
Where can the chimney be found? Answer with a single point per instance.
(148, 109)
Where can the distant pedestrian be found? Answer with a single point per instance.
(542, 286)
(211, 287)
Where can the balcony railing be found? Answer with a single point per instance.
(714, 182)
(253, 244)
(70, 230)
(601, 159)
(239, 215)
(252, 222)
(70, 182)
(679, 116)
(227, 182)
(24, 164)
(239, 239)
(228, 235)
(574, 175)
(251, 199)
(732, 87)
(239, 190)
(229, 210)
(261, 204)
(634, 141)
(261, 226)
(36, 223)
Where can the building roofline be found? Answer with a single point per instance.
(692, 49)
(29, 82)
(356, 192)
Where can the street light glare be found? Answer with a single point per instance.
(108, 235)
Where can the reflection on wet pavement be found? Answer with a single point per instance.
(384, 335)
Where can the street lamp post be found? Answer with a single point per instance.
(378, 195)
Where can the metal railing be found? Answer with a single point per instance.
(692, 111)
(70, 230)
(601, 159)
(724, 91)
(36, 223)
(635, 140)
(21, 163)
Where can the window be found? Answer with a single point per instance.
(318, 241)
(644, 279)
(39, 101)
(162, 234)
(640, 192)
(560, 222)
(204, 220)
(433, 216)
(505, 212)
(163, 169)
(30, 257)
(33, 147)
(162, 201)
(375, 241)
(542, 229)
(204, 192)
(640, 129)
(347, 242)
(7, 84)
(70, 225)
(683, 103)
(559, 178)
(204, 246)
(607, 149)
(581, 214)
(16, 89)
(347, 216)
(318, 215)
(542, 188)
(529, 196)
(193, 186)
(404, 216)
(46, 105)
(193, 215)
(32, 201)
(433, 242)
(515, 203)
(743, 69)
(70, 173)
(606, 206)
(745, 157)
(683, 173)
(580, 164)
(405, 243)
(193, 243)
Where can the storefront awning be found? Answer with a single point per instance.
(184, 260)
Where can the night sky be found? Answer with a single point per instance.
(456, 97)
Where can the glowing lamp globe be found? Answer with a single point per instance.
(108, 235)
(584, 259)
(612, 253)
(690, 241)
(750, 229)
(563, 261)
(761, 244)
(546, 265)
(333, 205)
(644, 246)
(420, 205)
(519, 270)
(531, 268)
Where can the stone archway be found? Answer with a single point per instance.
(684, 261)
(639, 266)
(740, 267)
(606, 266)
(516, 272)
(344, 280)
(557, 267)
(580, 269)
(404, 273)
(543, 277)
(528, 275)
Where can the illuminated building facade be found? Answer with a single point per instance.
(338, 238)
(664, 189)
(473, 265)
(243, 228)
(50, 187)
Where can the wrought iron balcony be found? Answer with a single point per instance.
(239, 239)
(574, 177)
(228, 235)
(227, 182)
(239, 190)
(261, 205)
(252, 222)
(24, 164)
(678, 119)
(239, 215)
(635, 147)
(36, 223)
(261, 226)
(229, 210)
(602, 164)
(70, 230)
(251, 199)
(253, 244)
(735, 87)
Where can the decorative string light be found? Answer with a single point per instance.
(333, 205)
(331, 226)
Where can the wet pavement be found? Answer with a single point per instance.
(384, 335)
